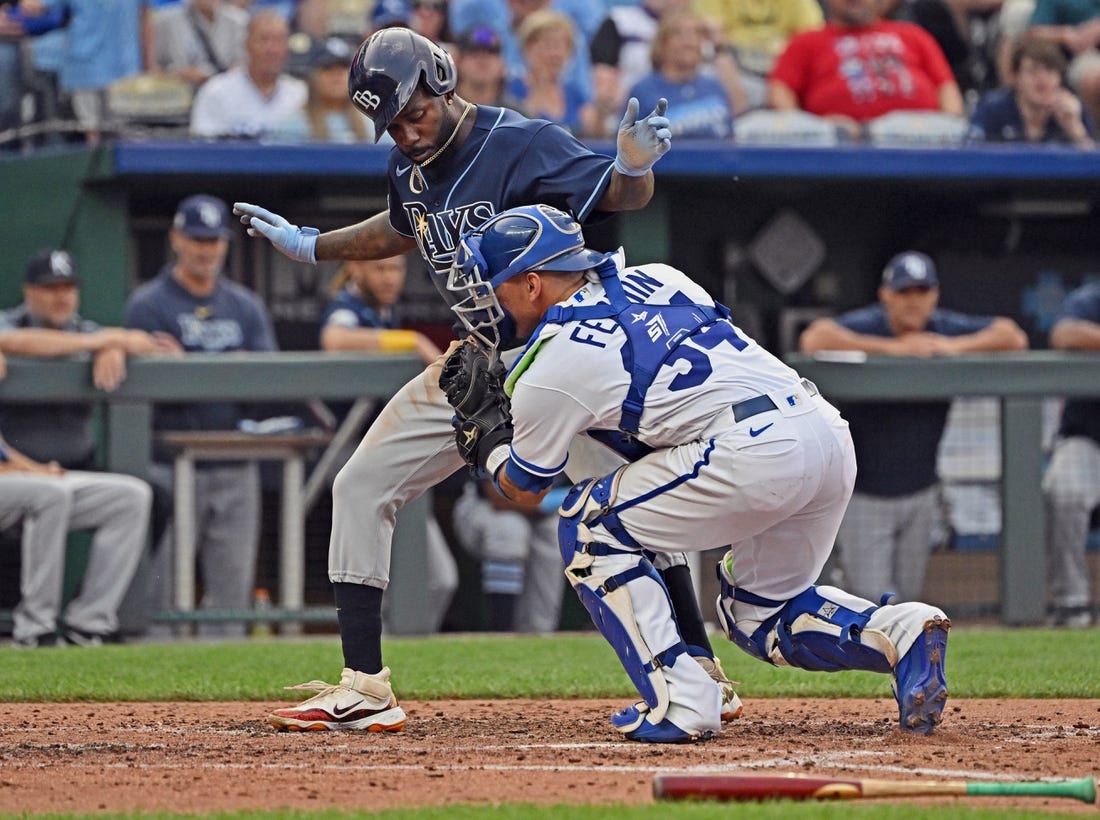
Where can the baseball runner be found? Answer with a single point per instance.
(453, 167)
(723, 438)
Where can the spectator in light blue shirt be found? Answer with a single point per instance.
(585, 14)
(107, 40)
(698, 104)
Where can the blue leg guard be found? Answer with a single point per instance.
(605, 596)
(608, 602)
(810, 631)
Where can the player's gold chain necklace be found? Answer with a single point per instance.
(416, 174)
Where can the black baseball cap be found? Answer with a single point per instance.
(479, 38)
(202, 217)
(330, 51)
(910, 269)
(51, 267)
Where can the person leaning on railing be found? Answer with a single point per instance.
(886, 535)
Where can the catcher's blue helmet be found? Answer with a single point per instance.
(533, 237)
(387, 69)
(530, 238)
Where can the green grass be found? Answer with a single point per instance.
(1014, 663)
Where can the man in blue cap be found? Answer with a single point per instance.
(207, 313)
(886, 536)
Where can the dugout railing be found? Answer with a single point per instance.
(1020, 382)
(127, 438)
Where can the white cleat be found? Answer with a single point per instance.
(359, 702)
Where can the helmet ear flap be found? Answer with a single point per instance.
(446, 74)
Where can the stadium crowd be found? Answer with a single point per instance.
(1011, 70)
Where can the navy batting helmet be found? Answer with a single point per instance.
(387, 69)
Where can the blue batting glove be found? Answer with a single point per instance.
(642, 142)
(290, 240)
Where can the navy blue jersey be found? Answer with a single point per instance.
(997, 118)
(347, 309)
(1081, 417)
(229, 319)
(507, 161)
(896, 442)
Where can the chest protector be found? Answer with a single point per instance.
(653, 332)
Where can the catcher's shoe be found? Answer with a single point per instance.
(731, 703)
(358, 701)
(632, 723)
(920, 684)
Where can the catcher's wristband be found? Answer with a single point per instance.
(496, 458)
(397, 341)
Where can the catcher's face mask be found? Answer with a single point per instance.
(530, 238)
(477, 308)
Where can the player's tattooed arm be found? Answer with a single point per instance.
(373, 238)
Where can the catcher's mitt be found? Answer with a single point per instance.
(475, 389)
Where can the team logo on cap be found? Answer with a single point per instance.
(915, 267)
(61, 264)
(209, 215)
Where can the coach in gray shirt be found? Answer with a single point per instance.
(47, 325)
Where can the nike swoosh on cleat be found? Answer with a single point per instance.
(402, 171)
(755, 433)
(338, 712)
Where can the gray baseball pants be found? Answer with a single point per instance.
(526, 543)
(409, 449)
(115, 506)
(227, 530)
(1071, 489)
(884, 543)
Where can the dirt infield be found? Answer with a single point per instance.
(197, 757)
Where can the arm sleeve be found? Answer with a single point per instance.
(930, 55)
(261, 333)
(792, 65)
(563, 173)
(1083, 303)
(205, 121)
(870, 321)
(1045, 14)
(140, 315)
(953, 323)
(546, 420)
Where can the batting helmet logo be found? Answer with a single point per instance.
(365, 99)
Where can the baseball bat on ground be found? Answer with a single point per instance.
(805, 787)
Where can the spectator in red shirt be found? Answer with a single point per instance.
(861, 66)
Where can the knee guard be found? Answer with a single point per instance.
(587, 504)
(810, 631)
(604, 593)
